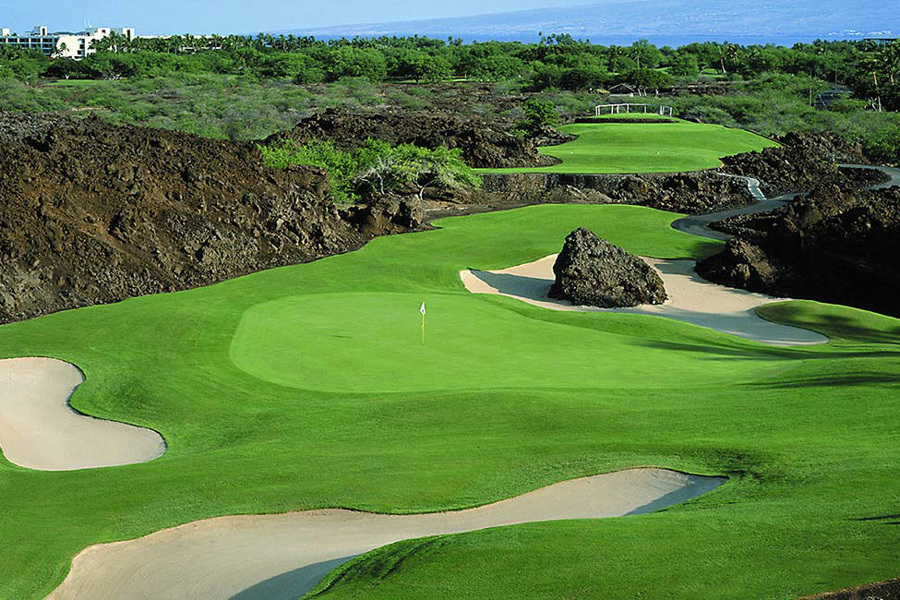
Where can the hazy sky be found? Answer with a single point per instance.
(240, 16)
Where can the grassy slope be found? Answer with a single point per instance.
(645, 148)
(811, 456)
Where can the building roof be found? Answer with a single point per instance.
(623, 86)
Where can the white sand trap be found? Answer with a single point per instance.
(275, 557)
(691, 299)
(39, 430)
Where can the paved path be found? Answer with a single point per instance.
(699, 224)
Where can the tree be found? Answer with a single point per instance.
(537, 114)
(341, 166)
(309, 70)
(410, 165)
(684, 65)
(646, 79)
(888, 60)
(644, 54)
(417, 65)
(618, 60)
(376, 167)
(729, 56)
(350, 61)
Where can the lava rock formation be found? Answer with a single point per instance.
(590, 271)
(833, 245)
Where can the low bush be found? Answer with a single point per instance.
(376, 168)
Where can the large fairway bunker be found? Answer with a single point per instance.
(691, 299)
(281, 557)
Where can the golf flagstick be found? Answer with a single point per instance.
(422, 310)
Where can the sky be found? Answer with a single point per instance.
(161, 17)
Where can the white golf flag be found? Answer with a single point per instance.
(422, 309)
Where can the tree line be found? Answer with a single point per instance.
(556, 62)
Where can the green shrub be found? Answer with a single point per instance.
(376, 167)
(537, 113)
(341, 166)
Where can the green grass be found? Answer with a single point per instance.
(76, 83)
(308, 386)
(644, 148)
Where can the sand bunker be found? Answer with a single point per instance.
(276, 557)
(691, 299)
(39, 430)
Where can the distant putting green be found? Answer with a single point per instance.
(309, 386)
(644, 147)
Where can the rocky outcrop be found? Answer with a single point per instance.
(832, 245)
(484, 143)
(882, 590)
(592, 272)
(92, 213)
(692, 193)
(803, 161)
(387, 215)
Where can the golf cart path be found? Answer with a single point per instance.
(699, 224)
(281, 557)
(40, 430)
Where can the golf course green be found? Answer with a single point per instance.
(644, 147)
(309, 386)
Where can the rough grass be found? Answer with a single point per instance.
(370, 419)
(645, 148)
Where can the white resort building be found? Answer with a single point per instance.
(61, 43)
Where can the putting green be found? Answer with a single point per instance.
(504, 398)
(470, 344)
(645, 148)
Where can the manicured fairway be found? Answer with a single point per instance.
(308, 386)
(645, 147)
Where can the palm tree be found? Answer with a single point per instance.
(888, 59)
(729, 55)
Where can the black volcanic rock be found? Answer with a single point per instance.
(484, 142)
(92, 213)
(832, 245)
(591, 271)
(802, 162)
(693, 193)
